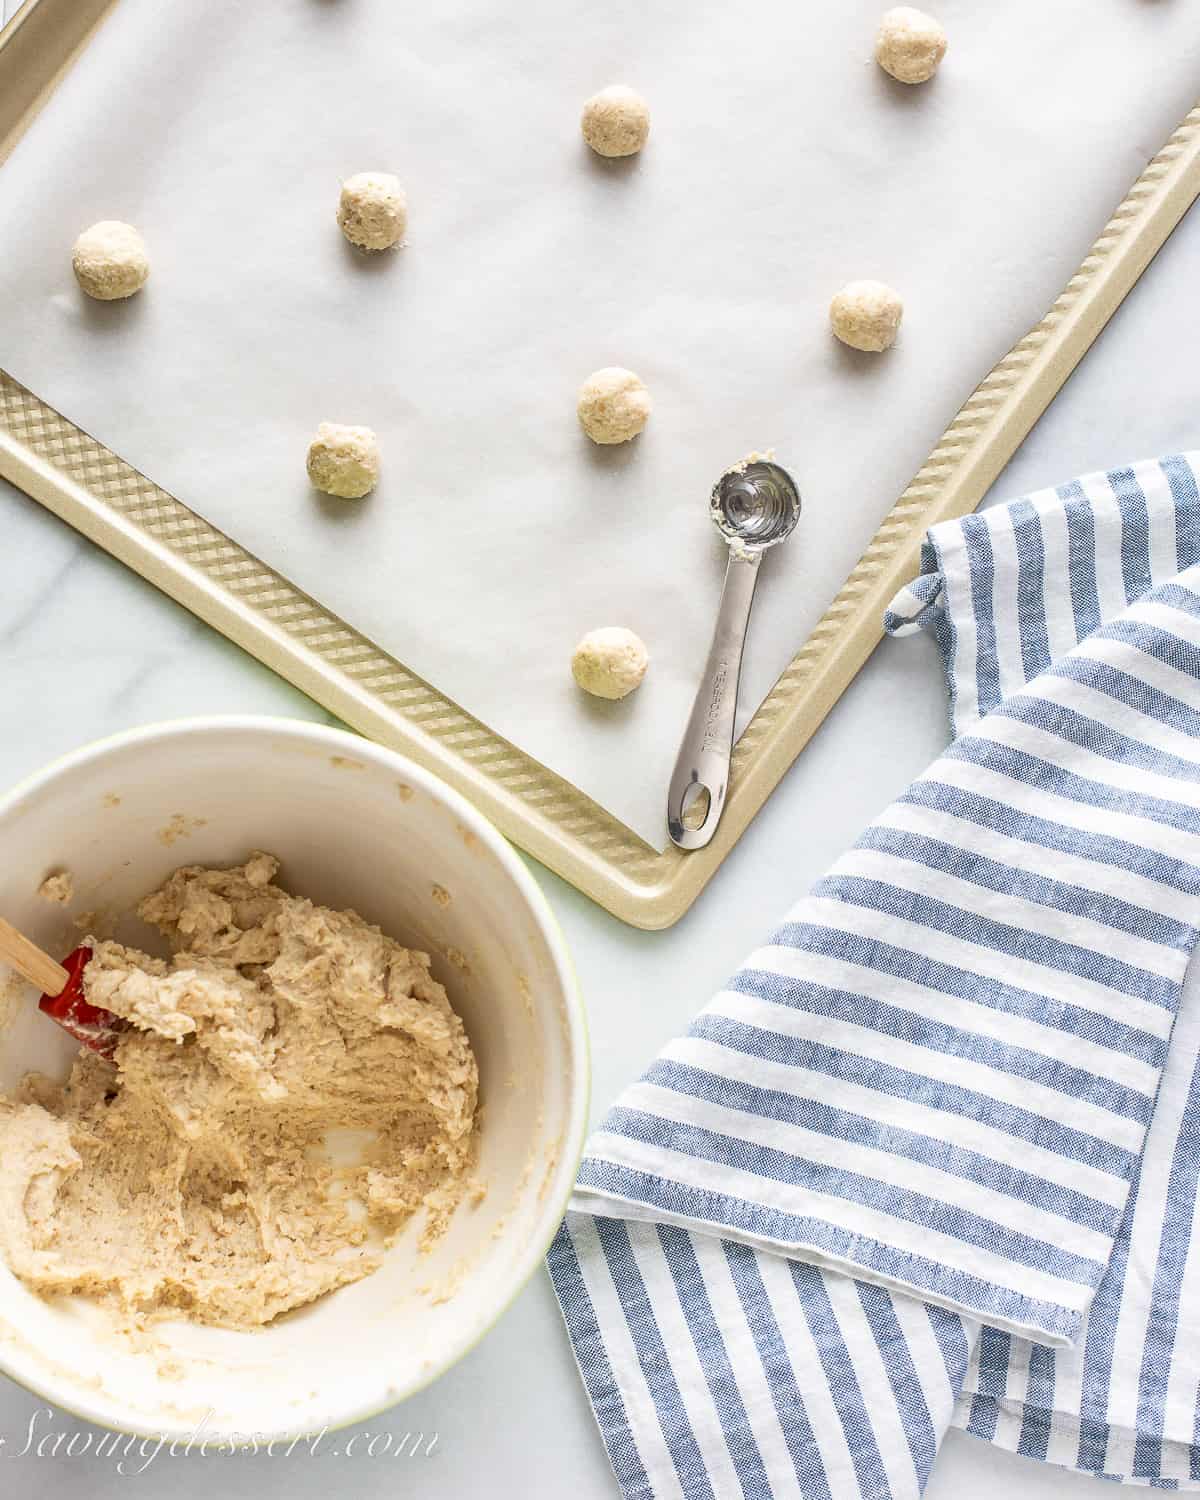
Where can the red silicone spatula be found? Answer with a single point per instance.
(62, 990)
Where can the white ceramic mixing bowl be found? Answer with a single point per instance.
(355, 826)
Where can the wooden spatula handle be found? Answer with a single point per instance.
(28, 959)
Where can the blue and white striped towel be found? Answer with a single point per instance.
(929, 1159)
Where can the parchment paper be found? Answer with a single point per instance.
(781, 164)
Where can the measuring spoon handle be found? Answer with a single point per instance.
(703, 760)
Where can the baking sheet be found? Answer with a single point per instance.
(781, 163)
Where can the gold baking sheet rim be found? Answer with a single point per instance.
(127, 514)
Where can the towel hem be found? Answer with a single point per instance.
(630, 1194)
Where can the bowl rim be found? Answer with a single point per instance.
(554, 1205)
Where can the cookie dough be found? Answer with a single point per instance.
(110, 260)
(373, 211)
(344, 461)
(58, 887)
(613, 405)
(616, 121)
(610, 662)
(866, 315)
(909, 44)
(207, 1175)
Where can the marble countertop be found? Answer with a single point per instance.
(87, 648)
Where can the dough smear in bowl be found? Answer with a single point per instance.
(201, 1176)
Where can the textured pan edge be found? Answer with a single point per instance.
(123, 511)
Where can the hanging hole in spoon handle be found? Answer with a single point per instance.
(697, 801)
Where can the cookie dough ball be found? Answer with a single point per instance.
(609, 662)
(613, 405)
(910, 44)
(344, 461)
(616, 121)
(110, 260)
(59, 887)
(373, 211)
(866, 315)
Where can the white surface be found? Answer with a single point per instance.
(781, 163)
(97, 650)
(355, 826)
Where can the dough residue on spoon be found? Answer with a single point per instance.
(58, 887)
(202, 1175)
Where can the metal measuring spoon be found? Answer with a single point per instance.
(754, 506)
